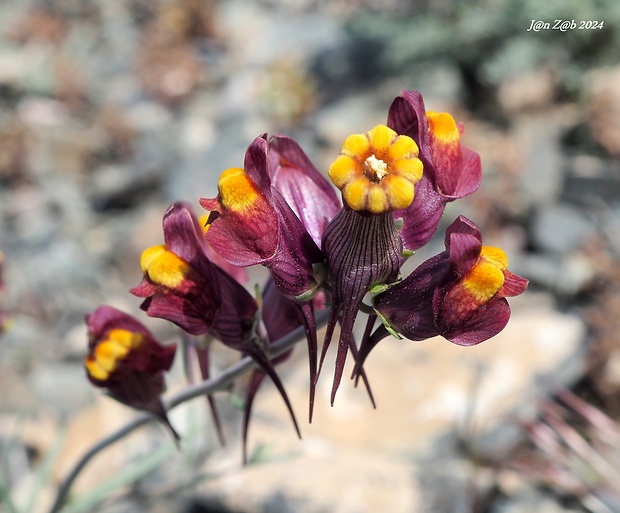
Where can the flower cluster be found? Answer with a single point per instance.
(280, 212)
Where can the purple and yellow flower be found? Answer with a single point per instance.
(182, 285)
(459, 294)
(451, 170)
(377, 173)
(251, 223)
(127, 360)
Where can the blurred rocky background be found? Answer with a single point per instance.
(110, 110)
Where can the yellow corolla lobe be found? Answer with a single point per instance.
(164, 267)
(486, 278)
(237, 192)
(443, 128)
(109, 352)
(377, 171)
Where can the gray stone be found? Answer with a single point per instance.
(562, 228)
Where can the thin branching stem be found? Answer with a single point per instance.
(219, 382)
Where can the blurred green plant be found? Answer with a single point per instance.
(488, 40)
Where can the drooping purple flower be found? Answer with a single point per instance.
(459, 294)
(376, 172)
(182, 285)
(251, 223)
(451, 170)
(127, 360)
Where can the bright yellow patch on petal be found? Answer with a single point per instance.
(400, 191)
(410, 169)
(164, 267)
(483, 281)
(149, 255)
(403, 147)
(237, 192)
(355, 193)
(126, 338)
(377, 171)
(94, 370)
(495, 256)
(109, 352)
(377, 200)
(381, 138)
(343, 170)
(443, 128)
(356, 145)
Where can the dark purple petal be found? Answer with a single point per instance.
(306, 191)
(421, 218)
(486, 322)
(106, 318)
(407, 116)
(362, 251)
(244, 240)
(293, 267)
(143, 391)
(184, 312)
(182, 233)
(408, 305)
(255, 163)
(464, 242)
(513, 285)
(462, 177)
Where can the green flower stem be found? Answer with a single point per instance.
(219, 382)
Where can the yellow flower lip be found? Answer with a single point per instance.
(111, 351)
(164, 267)
(486, 277)
(237, 191)
(377, 171)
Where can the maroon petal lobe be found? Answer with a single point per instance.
(143, 392)
(243, 240)
(462, 225)
(306, 191)
(464, 242)
(513, 285)
(458, 179)
(237, 310)
(143, 289)
(464, 253)
(407, 116)
(182, 235)
(105, 318)
(293, 267)
(178, 310)
(486, 322)
(421, 218)
(255, 163)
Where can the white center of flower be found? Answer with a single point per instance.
(375, 168)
